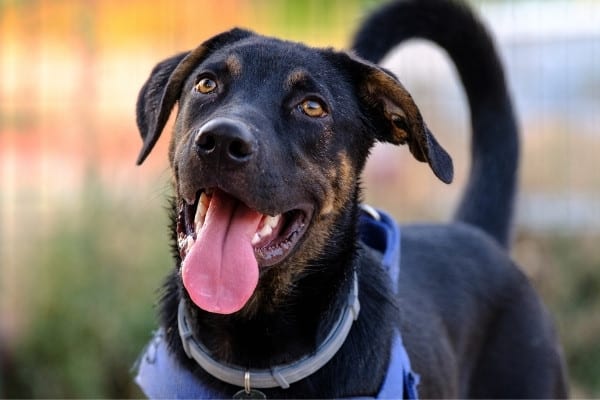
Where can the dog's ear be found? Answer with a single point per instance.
(154, 100)
(163, 88)
(402, 121)
(394, 115)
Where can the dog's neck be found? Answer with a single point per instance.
(281, 335)
(374, 303)
(275, 376)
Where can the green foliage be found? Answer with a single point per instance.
(569, 269)
(91, 304)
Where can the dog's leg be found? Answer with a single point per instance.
(522, 359)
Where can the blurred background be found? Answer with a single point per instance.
(83, 231)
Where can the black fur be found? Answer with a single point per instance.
(472, 324)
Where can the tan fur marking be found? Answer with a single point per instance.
(328, 206)
(234, 65)
(397, 103)
(345, 181)
(342, 182)
(296, 76)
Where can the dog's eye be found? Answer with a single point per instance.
(206, 86)
(313, 108)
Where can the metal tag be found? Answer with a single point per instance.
(251, 394)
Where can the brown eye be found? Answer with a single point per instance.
(206, 86)
(313, 108)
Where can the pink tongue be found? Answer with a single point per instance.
(220, 272)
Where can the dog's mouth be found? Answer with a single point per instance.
(224, 244)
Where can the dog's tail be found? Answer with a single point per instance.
(489, 196)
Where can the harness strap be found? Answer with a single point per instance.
(379, 231)
(161, 376)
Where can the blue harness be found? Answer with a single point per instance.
(159, 375)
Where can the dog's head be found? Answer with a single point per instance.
(269, 142)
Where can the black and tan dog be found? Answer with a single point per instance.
(268, 146)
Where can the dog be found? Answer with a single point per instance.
(284, 284)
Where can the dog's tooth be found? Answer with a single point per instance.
(201, 211)
(200, 214)
(272, 221)
(205, 199)
(266, 228)
(181, 242)
(266, 231)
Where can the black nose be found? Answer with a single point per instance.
(226, 140)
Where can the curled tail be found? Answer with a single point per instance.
(489, 195)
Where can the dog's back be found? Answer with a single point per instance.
(496, 338)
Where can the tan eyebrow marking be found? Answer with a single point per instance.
(234, 65)
(295, 77)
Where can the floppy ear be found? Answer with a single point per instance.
(396, 117)
(153, 100)
(163, 88)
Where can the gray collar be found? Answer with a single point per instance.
(281, 375)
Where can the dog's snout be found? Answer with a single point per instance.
(225, 139)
